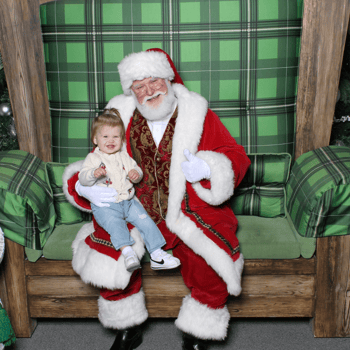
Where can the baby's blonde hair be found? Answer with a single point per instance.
(109, 117)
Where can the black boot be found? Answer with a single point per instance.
(128, 339)
(189, 342)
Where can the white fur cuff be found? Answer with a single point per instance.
(222, 178)
(201, 321)
(124, 313)
(70, 170)
(99, 269)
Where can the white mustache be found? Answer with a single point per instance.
(153, 96)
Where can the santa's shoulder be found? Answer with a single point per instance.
(125, 104)
(187, 97)
(120, 101)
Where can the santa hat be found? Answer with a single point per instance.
(145, 64)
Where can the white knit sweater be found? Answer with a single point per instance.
(117, 165)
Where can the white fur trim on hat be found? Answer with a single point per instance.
(141, 65)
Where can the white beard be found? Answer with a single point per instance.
(163, 110)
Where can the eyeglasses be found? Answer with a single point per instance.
(154, 84)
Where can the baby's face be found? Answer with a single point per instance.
(108, 139)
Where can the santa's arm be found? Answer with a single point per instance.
(81, 196)
(70, 180)
(226, 159)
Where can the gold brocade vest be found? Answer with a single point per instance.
(153, 190)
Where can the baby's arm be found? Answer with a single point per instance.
(99, 172)
(134, 176)
(87, 176)
(135, 173)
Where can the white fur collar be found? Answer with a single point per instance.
(192, 109)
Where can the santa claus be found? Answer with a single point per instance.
(191, 165)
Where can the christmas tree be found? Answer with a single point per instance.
(341, 126)
(8, 135)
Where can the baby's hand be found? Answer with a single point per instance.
(133, 175)
(100, 172)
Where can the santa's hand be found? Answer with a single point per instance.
(195, 169)
(97, 195)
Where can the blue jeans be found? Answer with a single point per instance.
(113, 219)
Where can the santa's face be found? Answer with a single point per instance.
(154, 98)
(150, 91)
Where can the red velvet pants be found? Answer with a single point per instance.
(204, 283)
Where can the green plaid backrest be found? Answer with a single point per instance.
(241, 55)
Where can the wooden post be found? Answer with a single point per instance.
(22, 54)
(23, 58)
(16, 303)
(332, 307)
(325, 25)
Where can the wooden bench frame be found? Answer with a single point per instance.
(317, 287)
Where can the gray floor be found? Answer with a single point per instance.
(244, 334)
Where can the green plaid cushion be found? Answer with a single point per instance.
(262, 191)
(66, 212)
(27, 213)
(318, 192)
(241, 55)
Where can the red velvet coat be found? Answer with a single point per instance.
(198, 214)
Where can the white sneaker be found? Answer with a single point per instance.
(164, 261)
(132, 262)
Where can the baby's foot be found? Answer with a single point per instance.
(161, 260)
(131, 260)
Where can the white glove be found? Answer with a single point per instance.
(97, 195)
(195, 169)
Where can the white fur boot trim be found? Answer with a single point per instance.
(201, 321)
(98, 269)
(124, 313)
